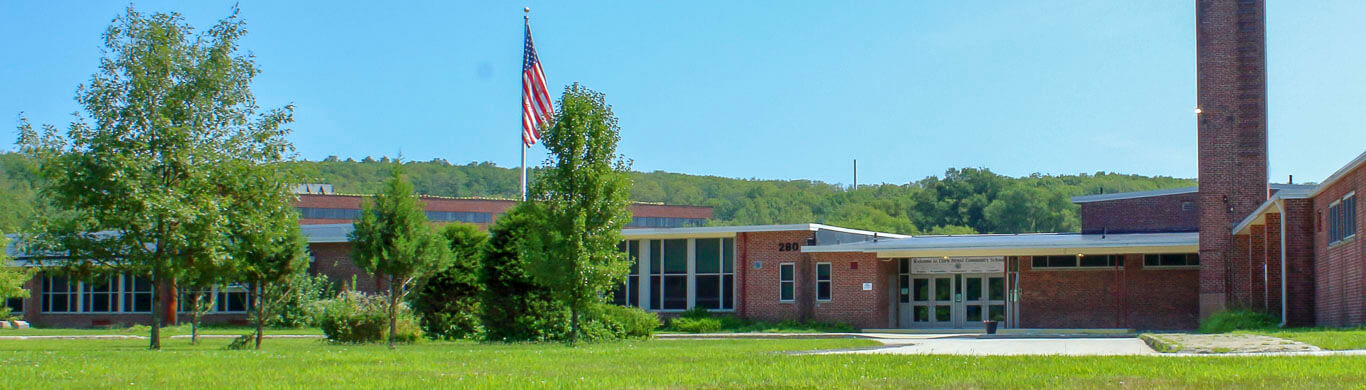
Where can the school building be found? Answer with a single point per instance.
(1143, 260)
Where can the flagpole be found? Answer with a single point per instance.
(526, 21)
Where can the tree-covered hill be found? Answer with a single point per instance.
(959, 201)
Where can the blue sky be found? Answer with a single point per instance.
(785, 90)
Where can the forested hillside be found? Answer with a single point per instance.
(959, 201)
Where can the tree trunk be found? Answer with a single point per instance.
(255, 292)
(157, 313)
(573, 324)
(393, 312)
(196, 316)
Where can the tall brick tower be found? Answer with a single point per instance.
(1230, 45)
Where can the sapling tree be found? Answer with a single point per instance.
(582, 195)
(12, 279)
(134, 175)
(393, 240)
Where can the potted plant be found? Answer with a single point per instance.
(993, 323)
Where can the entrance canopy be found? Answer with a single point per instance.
(1035, 244)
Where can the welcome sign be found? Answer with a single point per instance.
(958, 265)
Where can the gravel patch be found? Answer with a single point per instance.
(1228, 343)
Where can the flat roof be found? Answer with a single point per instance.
(705, 231)
(1022, 244)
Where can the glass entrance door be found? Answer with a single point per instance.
(983, 299)
(931, 301)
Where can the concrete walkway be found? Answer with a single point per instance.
(976, 345)
(136, 337)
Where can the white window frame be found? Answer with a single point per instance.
(47, 295)
(829, 282)
(75, 288)
(1334, 221)
(792, 281)
(1077, 265)
(1349, 217)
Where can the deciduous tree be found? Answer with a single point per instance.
(583, 196)
(136, 179)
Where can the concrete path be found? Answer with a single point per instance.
(972, 345)
(125, 337)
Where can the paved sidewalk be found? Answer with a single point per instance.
(1073, 346)
(136, 337)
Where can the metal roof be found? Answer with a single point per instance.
(1354, 164)
(1022, 244)
(326, 233)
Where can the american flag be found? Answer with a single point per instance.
(536, 106)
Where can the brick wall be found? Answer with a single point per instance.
(334, 260)
(1231, 93)
(1128, 297)
(1168, 213)
(849, 303)
(1341, 267)
(759, 287)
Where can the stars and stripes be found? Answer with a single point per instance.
(536, 106)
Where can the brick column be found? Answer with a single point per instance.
(1231, 94)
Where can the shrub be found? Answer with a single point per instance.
(1236, 319)
(512, 306)
(633, 321)
(448, 303)
(302, 302)
(358, 318)
(242, 342)
(696, 324)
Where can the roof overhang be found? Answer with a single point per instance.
(1133, 195)
(1276, 203)
(731, 231)
(1022, 245)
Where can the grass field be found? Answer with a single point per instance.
(144, 331)
(656, 363)
(1327, 338)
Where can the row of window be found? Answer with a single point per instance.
(1342, 218)
(665, 222)
(434, 216)
(787, 282)
(1099, 261)
(125, 294)
(679, 274)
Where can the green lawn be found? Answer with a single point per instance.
(656, 363)
(1326, 338)
(144, 331)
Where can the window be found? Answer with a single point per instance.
(665, 222)
(15, 305)
(1069, 261)
(1342, 218)
(59, 295)
(232, 298)
(100, 294)
(326, 213)
(823, 281)
(137, 295)
(1172, 260)
(461, 216)
(628, 293)
(707, 274)
(675, 274)
(656, 274)
(787, 276)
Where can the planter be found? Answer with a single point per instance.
(991, 326)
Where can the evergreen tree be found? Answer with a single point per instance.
(448, 302)
(393, 239)
(513, 307)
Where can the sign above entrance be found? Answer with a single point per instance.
(957, 265)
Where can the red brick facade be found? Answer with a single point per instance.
(759, 286)
(1231, 94)
(1131, 296)
(849, 303)
(1340, 267)
(1167, 213)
